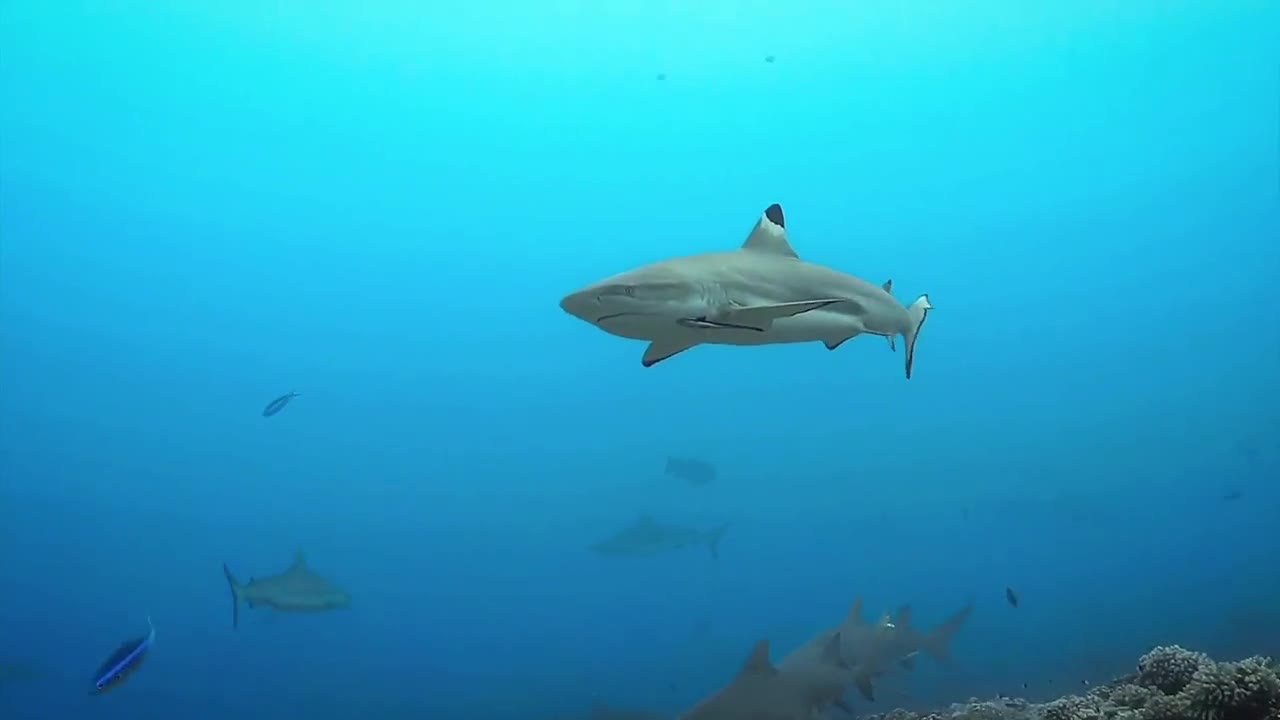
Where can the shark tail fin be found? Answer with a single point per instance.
(938, 642)
(236, 590)
(916, 312)
(713, 540)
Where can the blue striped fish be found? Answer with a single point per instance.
(123, 662)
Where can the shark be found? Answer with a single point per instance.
(873, 650)
(763, 691)
(297, 589)
(646, 536)
(759, 294)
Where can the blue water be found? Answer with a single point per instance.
(204, 205)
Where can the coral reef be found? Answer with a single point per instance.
(1171, 683)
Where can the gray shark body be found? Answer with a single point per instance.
(760, 294)
(646, 536)
(763, 691)
(297, 589)
(872, 650)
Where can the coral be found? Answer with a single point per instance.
(1245, 690)
(1162, 707)
(1170, 668)
(1072, 707)
(1172, 683)
(1130, 697)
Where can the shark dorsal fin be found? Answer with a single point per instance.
(831, 651)
(855, 613)
(758, 661)
(770, 234)
(299, 560)
(904, 617)
(888, 286)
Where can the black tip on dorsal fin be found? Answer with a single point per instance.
(887, 286)
(774, 213)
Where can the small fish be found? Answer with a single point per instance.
(662, 76)
(278, 404)
(123, 662)
(770, 58)
(1232, 495)
(1011, 596)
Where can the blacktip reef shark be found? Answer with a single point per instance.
(297, 589)
(759, 294)
(646, 536)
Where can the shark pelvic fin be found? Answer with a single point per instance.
(770, 234)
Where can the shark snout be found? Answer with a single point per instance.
(582, 305)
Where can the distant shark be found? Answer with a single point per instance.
(760, 294)
(297, 589)
(763, 691)
(646, 536)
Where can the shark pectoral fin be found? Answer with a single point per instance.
(660, 350)
(770, 234)
(762, 316)
(893, 347)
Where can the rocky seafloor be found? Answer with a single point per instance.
(1171, 683)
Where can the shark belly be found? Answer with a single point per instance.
(882, 315)
(825, 325)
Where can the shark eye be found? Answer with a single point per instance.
(629, 290)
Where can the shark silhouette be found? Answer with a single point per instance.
(297, 589)
(763, 691)
(646, 536)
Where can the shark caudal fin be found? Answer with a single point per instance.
(236, 590)
(713, 540)
(916, 312)
(938, 642)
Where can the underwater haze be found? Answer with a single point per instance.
(380, 205)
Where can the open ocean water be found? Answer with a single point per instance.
(479, 506)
